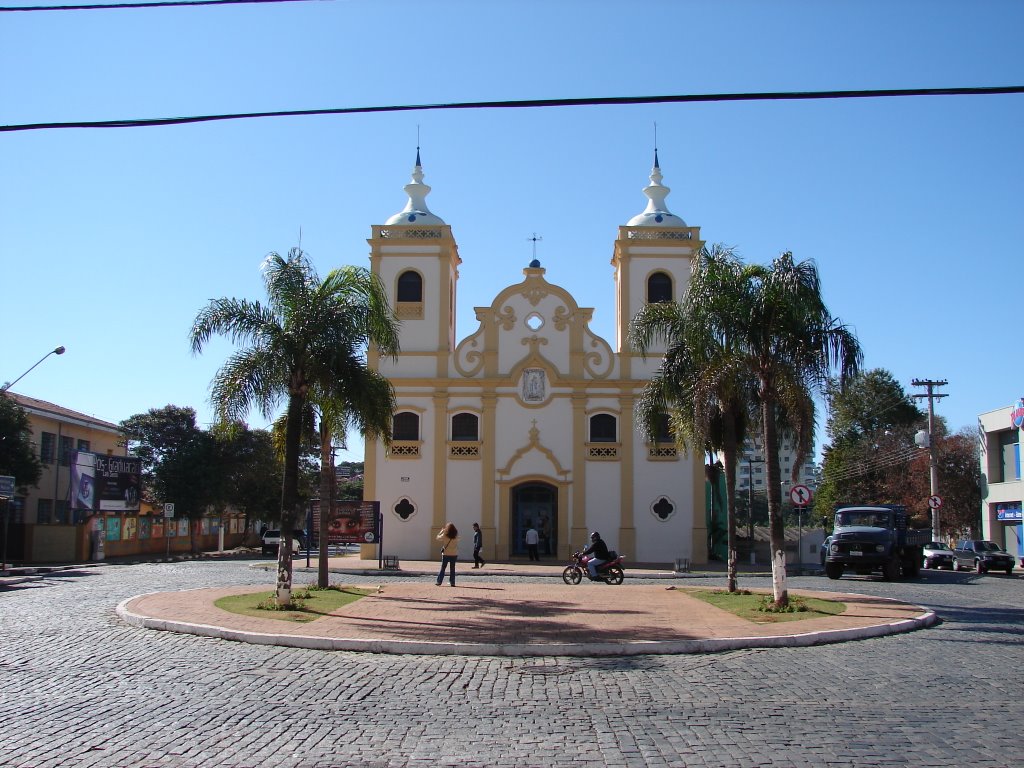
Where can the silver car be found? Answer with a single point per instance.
(938, 555)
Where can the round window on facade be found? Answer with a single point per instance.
(534, 321)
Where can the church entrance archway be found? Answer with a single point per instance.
(534, 504)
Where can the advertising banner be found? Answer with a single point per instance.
(352, 522)
(102, 483)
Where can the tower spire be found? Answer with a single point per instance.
(656, 214)
(416, 210)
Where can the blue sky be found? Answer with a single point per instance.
(112, 240)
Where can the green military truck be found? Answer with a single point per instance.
(874, 539)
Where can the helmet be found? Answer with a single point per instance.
(595, 536)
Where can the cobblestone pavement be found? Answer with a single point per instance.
(80, 688)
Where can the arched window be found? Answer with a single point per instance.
(659, 288)
(410, 286)
(405, 426)
(465, 427)
(602, 428)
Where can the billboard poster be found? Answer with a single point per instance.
(118, 483)
(83, 480)
(102, 483)
(128, 529)
(145, 528)
(113, 529)
(182, 526)
(158, 527)
(352, 522)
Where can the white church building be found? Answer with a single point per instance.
(529, 421)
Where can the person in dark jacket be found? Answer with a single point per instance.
(599, 550)
(478, 544)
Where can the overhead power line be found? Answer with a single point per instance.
(530, 103)
(119, 6)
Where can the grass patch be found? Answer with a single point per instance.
(308, 603)
(758, 607)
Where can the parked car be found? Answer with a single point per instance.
(272, 539)
(983, 555)
(938, 555)
(824, 549)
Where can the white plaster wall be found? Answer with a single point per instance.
(602, 494)
(409, 366)
(662, 541)
(513, 423)
(411, 478)
(464, 488)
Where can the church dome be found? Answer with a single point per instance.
(656, 214)
(415, 212)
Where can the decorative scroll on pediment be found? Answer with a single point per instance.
(598, 359)
(469, 355)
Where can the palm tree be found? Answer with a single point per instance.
(311, 337)
(791, 344)
(701, 382)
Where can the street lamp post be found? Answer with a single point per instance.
(57, 351)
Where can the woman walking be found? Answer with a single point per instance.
(449, 538)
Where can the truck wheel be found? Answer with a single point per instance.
(891, 569)
(833, 570)
(911, 569)
(1009, 570)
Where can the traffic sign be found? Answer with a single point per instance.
(800, 495)
(934, 502)
(168, 510)
(6, 487)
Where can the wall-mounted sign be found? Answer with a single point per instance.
(1017, 414)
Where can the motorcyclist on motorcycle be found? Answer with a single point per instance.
(600, 554)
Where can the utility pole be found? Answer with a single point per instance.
(933, 461)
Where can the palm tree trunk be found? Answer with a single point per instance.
(777, 531)
(290, 497)
(729, 450)
(326, 502)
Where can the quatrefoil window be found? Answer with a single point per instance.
(534, 321)
(405, 509)
(663, 508)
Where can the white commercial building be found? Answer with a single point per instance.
(1002, 489)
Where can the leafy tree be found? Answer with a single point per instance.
(309, 340)
(179, 460)
(871, 426)
(17, 457)
(250, 470)
(702, 382)
(959, 483)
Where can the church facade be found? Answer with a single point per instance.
(528, 421)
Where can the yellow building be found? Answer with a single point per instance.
(42, 522)
(528, 421)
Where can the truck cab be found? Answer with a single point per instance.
(868, 539)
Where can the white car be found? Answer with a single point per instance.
(272, 539)
(936, 554)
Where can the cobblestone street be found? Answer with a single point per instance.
(80, 688)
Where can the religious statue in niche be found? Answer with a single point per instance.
(533, 385)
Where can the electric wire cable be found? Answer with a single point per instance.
(528, 104)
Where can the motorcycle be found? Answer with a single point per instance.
(610, 572)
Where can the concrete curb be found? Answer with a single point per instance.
(638, 648)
